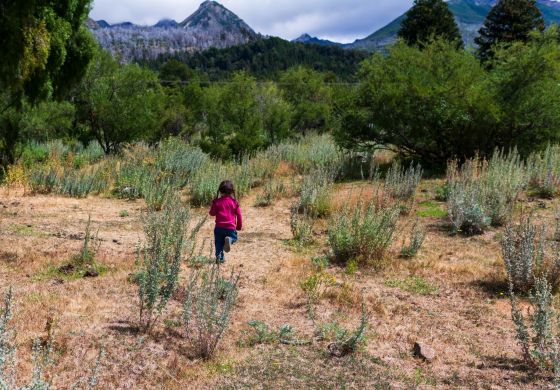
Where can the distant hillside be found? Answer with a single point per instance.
(469, 14)
(212, 25)
(265, 58)
(306, 38)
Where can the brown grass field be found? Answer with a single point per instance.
(452, 296)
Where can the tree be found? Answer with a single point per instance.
(429, 19)
(45, 50)
(119, 104)
(508, 21)
(526, 77)
(276, 113)
(433, 103)
(232, 118)
(310, 97)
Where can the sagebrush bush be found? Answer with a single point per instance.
(262, 334)
(401, 183)
(301, 226)
(160, 259)
(544, 171)
(207, 308)
(363, 234)
(42, 356)
(417, 237)
(315, 193)
(538, 333)
(347, 342)
(273, 190)
(482, 193)
(528, 255)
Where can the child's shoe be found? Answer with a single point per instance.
(227, 244)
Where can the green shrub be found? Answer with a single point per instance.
(262, 334)
(363, 234)
(528, 256)
(160, 259)
(273, 190)
(207, 308)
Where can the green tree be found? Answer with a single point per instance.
(433, 103)
(508, 21)
(429, 19)
(310, 97)
(526, 77)
(232, 118)
(276, 113)
(45, 50)
(119, 104)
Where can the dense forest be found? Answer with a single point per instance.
(266, 58)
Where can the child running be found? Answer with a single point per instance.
(228, 219)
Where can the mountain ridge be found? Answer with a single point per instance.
(211, 25)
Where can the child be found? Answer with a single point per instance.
(228, 219)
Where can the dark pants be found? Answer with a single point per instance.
(220, 235)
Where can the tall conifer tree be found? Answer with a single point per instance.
(428, 19)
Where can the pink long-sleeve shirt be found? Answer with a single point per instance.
(227, 213)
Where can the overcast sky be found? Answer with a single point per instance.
(338, 20)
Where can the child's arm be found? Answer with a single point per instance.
(239, 218)
(213, 210)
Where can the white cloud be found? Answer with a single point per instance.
(340, 20)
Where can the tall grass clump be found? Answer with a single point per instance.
(363, 234)
(482, 193)
(528, 255)
(544, 172)
(207, 308)
(401, 183)
(538, 332)
(180, 160)
(160, 259)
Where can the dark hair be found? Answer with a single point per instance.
(226, 188)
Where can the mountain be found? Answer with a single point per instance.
(469, 14)
(212, 25)
(306, 38)
(167, 23)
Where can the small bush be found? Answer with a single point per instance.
(528, 256)
(401, 183)
(482, 193)
(363, 234)
(273, 190)
(538, 333)
(544, 172)
(317, 285)
(349, 342)
(83, 264)
(207, 308)
(262, 334)
(42, 352)
(302, 227)
(417, 237)
(160, 260)
(316, 193)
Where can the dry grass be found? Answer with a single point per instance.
(466, 320)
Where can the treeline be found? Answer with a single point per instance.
(266, 58)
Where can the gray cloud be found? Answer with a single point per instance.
(339, 20)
